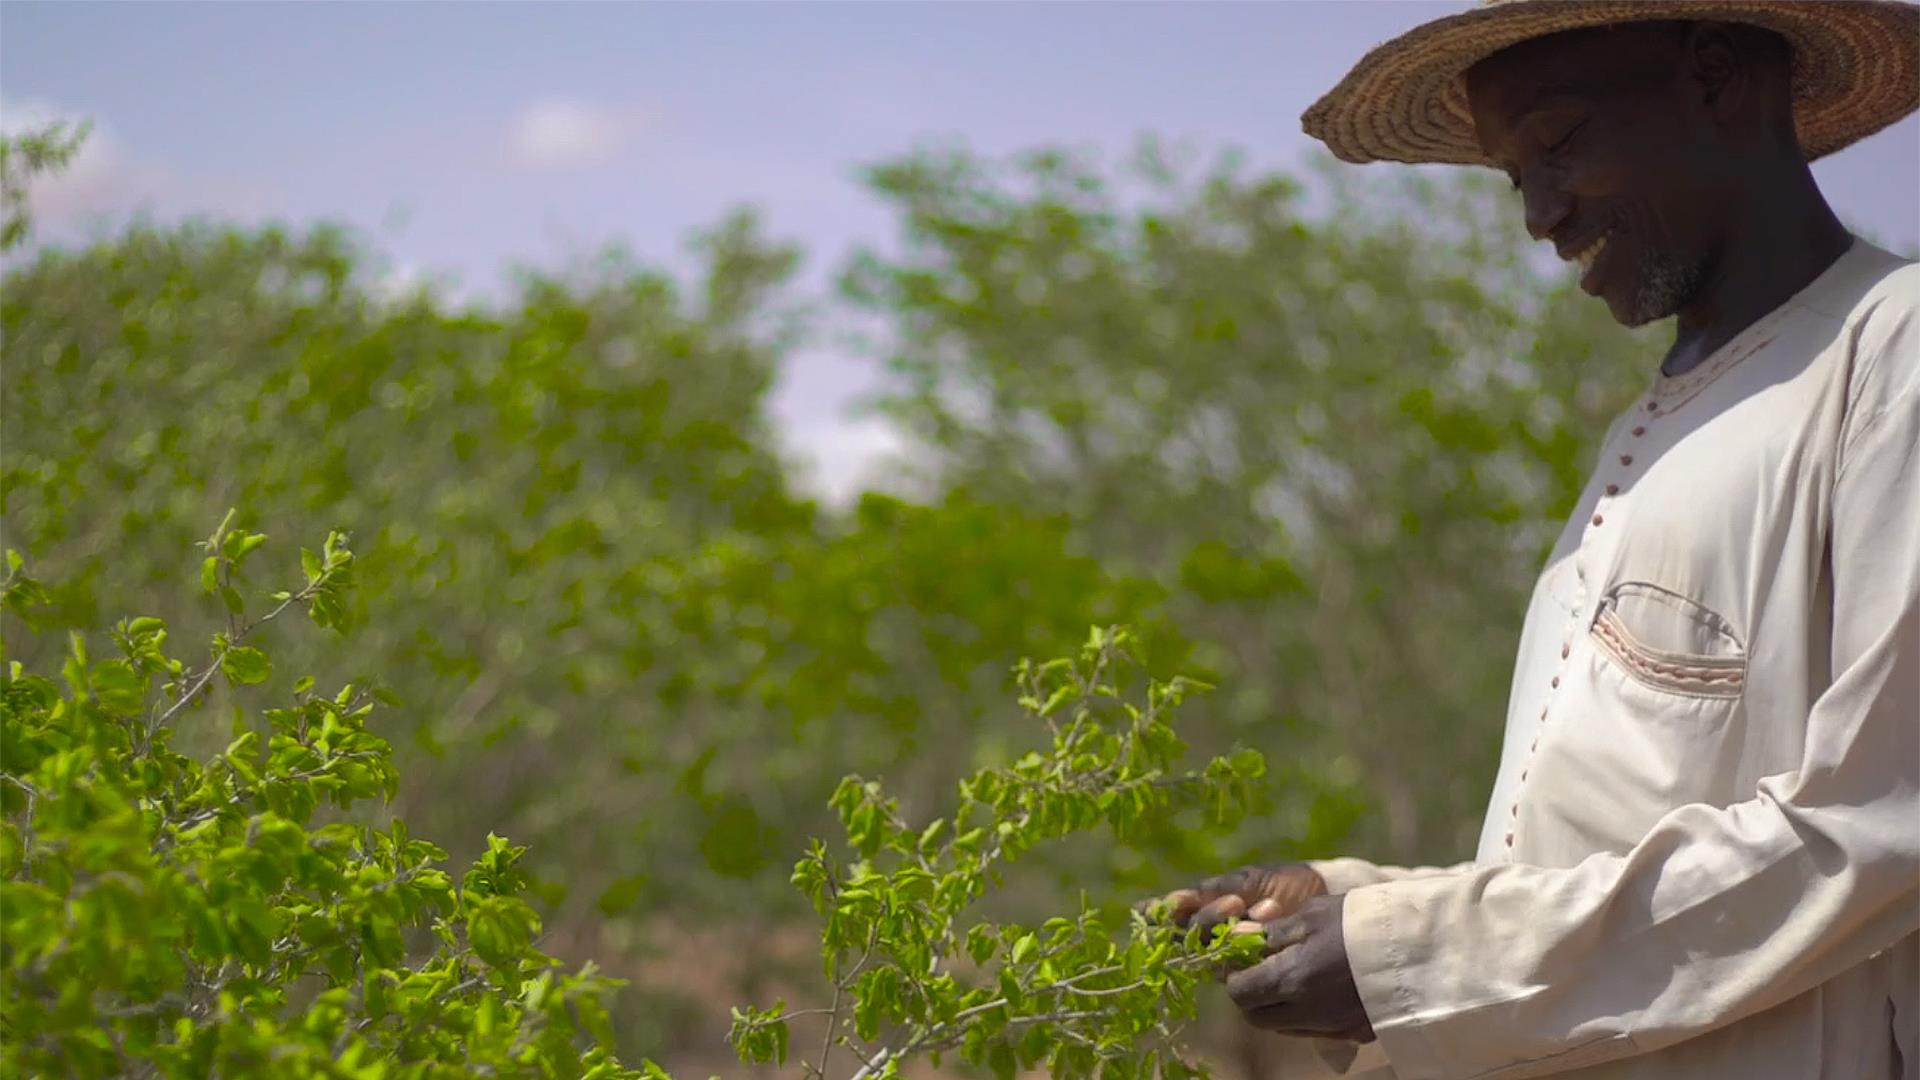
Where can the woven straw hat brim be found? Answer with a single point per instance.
(1856, 69)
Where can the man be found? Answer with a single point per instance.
(1702, 854)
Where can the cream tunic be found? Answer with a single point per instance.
(1702, 856)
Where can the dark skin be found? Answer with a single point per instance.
(1673, 143)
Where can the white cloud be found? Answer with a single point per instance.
(841, 458)
(102, 180)
(560, 133)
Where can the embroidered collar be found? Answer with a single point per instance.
(1669, 392)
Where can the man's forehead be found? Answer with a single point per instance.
(1561, 68)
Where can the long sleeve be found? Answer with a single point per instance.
(1718, 912)
(1346, 874)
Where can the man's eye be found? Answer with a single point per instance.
(1561, 142)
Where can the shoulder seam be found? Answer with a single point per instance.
(1866, 427)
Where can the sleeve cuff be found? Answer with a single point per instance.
(1379, 963)
(1430, 1010)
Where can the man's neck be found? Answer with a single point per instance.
(1777, 247)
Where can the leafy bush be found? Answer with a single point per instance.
(906, 957)
(167, 916)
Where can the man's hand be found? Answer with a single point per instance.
(1258, 893)
(1306, 986)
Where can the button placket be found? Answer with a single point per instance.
(1610, 489)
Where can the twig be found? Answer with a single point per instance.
(206, 676)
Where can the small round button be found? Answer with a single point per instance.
(1597, 519)
(1509, 839)
(1556, 682)
(1523, 774)
(1652, 407)
(1515, 811)
(1565, 650)
(1613, 489)
(1639, 430)
(1626, 459)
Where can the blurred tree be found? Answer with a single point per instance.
(1341, 440)
(616, 633)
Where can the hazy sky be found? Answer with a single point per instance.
(466, 137)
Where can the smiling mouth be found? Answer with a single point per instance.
(1585, 258)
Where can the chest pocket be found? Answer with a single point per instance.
(1666, 642)
(1650, 713)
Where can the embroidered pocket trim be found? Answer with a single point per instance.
(1679, 673)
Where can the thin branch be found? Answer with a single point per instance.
(200, 681)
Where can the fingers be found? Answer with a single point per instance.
(1225, 909)
(1264, 893)
(1271, 1017)
(1266, 985)
(1181, 904)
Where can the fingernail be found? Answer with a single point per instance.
(1264, 910)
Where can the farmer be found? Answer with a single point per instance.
(1702, 854)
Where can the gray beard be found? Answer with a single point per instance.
(1666, 283)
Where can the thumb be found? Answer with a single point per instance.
(1285, 933)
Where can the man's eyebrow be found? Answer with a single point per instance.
(1550, 102)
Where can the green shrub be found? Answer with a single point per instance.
(914, 971)
(162, 915)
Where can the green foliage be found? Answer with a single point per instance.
(168, 915)
(915, 971)
(582, 556)
(1310, 448)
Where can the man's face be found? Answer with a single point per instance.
(1604, 134)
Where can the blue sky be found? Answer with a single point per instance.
(463, 138)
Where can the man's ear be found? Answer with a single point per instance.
(1716, 68)
(1741, 73)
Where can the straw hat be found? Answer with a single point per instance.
(1856, 69)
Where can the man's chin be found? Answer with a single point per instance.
(1628, 311)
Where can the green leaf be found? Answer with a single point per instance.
(500, 928)
(245, 666)
(118, 688)
(981, 943)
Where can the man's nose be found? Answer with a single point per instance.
(1546, 205)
